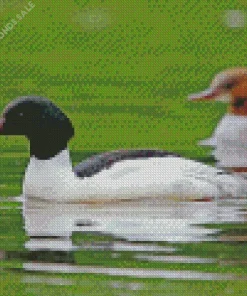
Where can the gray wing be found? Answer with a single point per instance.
(97, 163)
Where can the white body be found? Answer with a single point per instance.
(230, 141)
(166, 177)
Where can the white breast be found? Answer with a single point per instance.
(231, 138)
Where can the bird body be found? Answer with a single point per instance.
(153, 177)
(111, 176)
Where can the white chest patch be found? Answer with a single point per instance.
(231, 138)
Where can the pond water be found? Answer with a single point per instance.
(124, 248)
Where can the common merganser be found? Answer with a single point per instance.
(230, 137)
(116, 175)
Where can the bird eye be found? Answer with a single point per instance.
(229, 85)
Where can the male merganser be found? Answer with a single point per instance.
(230, 137)
(116, 175)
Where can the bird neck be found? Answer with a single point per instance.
(61, 160)
(230, 143)
(47, 148)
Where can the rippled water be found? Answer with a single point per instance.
(130, 244)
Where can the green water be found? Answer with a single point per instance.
(221, 268)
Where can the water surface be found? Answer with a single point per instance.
(124, 246)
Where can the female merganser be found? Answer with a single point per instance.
(116, 175)
(230, 137)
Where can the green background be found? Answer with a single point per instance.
(122, 70)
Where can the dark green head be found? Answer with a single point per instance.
(42, 122)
